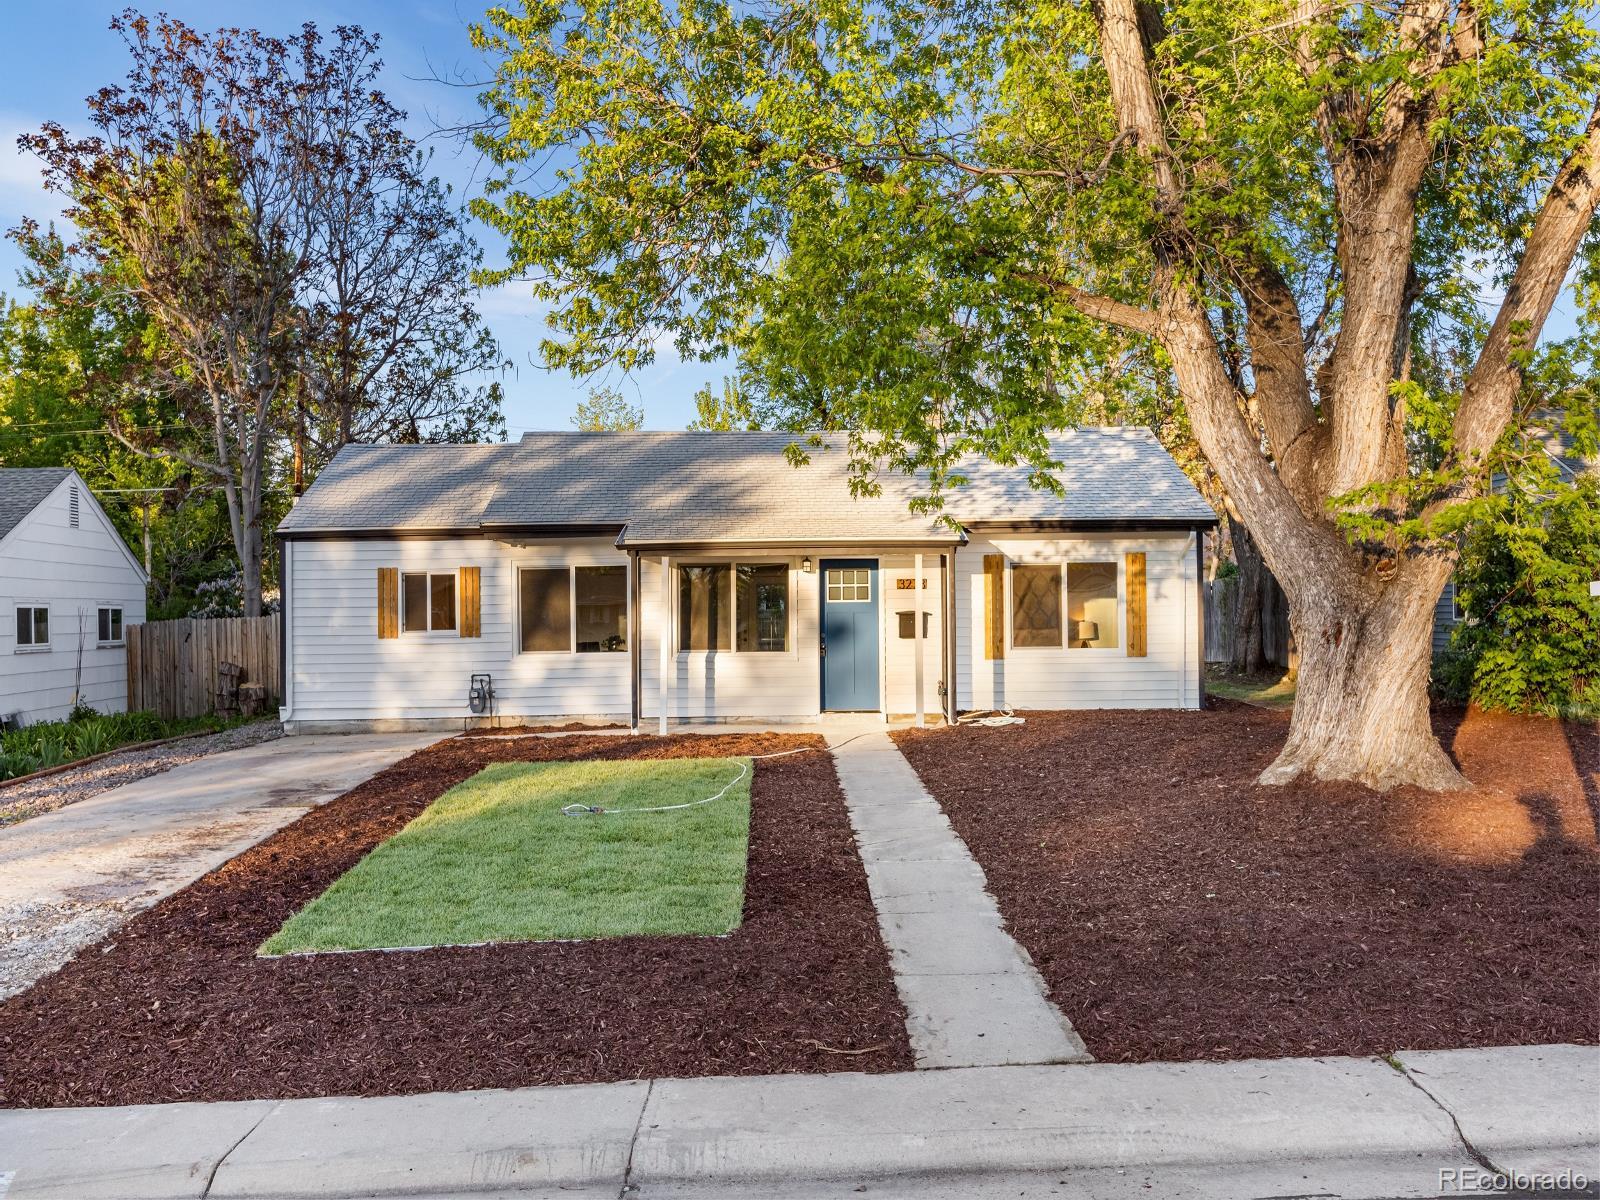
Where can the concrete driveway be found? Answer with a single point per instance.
(70, 876)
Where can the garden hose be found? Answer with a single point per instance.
(596, 810)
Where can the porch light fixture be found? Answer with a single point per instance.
(805, 564)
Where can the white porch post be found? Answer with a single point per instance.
(916, 629)
(666, 640)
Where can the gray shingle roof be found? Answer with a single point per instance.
(666, 488)
(23, 489)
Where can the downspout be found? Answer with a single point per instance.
(635, 632)
(1200, 609)
(286, 709)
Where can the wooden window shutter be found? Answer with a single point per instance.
(471, 602)
(1138, 642)
(994, 606)
(388, 602)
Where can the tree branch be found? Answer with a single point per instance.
(1564, 217)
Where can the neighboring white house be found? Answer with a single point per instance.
(699, 576)
(69, 587)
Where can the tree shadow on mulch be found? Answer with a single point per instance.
(176, 1005)
(1179, 911)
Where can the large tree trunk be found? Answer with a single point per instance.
(1248, 657)
(1361, 708)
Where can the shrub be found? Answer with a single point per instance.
(1531, 640)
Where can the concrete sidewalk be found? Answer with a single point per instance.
(70, 876)
(1330, 1127)
(973, 996)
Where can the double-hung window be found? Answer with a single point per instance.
(573, 609)
(742, 607)
(33, 627)
(110, 625)
(428, 601)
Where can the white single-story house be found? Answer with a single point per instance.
(69, 587)
(668, 577)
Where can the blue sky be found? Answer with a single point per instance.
(56, 52)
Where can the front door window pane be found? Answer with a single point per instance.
(847, 584)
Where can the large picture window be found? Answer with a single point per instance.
(33, 627)
(567, 609)
(428, 602)
(1035, 606)
(1092, 605)
(733, 606)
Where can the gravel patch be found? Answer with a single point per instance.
(37, 937)
(19, 801)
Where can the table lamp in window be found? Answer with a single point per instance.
(1085, 633)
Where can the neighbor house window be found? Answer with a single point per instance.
(1092, 605)
(600, 597)
(33, 626)
(1035, 606)
(733, 606)
(110, 631)
(573, 608)
(429, 601)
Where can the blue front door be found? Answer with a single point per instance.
(850, 634)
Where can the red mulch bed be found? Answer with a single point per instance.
(1178, 911)
(175, 1005)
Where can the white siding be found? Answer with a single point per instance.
(339, 669)
(72, 572)
(769, 684)
(900, 654)
(1167, 677)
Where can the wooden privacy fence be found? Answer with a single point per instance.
(173, 666)
(1220, 595)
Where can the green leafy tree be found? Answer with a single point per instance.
(921, 220)
(67, 369)
(303, 282)
(607, 409)
(1536, 645)
(1530, 641)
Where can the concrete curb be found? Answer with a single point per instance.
(1519, 1108)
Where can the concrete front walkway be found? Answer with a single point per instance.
(1347, 1127)
(973, 997)
(70, 876)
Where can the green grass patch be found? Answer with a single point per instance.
(494, 860)
(1268, 691)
